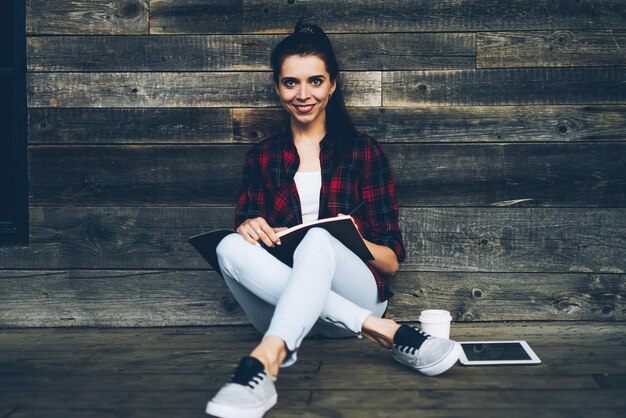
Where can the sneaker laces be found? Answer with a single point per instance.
(247, 376)
(409, 349)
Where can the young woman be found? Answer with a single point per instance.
(319, 166)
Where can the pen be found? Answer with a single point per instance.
(357, 207)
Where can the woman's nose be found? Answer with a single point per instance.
(303, 93)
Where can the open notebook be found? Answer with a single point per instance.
(341, 227)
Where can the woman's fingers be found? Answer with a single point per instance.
(257, 229)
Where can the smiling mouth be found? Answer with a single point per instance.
(304, 108)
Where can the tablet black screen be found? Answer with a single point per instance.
(494, 351)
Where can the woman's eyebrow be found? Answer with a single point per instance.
(295, 78)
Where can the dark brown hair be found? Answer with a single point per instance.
(311, 40)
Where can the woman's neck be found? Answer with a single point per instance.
(310, 133)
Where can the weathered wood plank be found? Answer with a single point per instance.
(198, 16)
(504, 296)
(187, 89)
(460, 124)
(27, 342)
(134, 377)
(116, 298)
(131, 125)
(363, 52)
(135, 370)
(564, 48)
(570, 174)
(180, 406)
(132, 298)
(137, 174)
(515, 239)
(470, 398)
(87, 17)
(248, 125)
(507, 239)
(490, 87)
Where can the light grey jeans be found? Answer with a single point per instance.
(328, 292)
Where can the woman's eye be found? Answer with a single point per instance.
(290, 83)
(317, 81)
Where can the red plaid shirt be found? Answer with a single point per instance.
(269, 190)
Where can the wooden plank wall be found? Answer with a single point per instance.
(505, 122)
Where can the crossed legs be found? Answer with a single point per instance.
(329, 291)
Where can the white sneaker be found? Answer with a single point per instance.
(249, 393)
(427, 354)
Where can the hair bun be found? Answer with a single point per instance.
(306, 29)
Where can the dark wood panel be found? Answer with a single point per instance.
(25, 343)
(403, 51)
(117, 298)
(154, 373)
(87, 17)
(181, 404)
(118, 238)
(461, 124)
(392, 400)
(411, 125)
(515, 239)
(198, 16)
(563, 48)
(510, 296)
(136, 175)
(505, 87)
(437, 239)
(92, 126)
(131, 298)
(186, 89)
(570, 174)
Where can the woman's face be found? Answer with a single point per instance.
(303, 87)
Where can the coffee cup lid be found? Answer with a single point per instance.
(434, 315)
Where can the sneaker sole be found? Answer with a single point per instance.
(444, 364)
(227, 411)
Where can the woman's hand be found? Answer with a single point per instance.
(256, 229)
(385, 260)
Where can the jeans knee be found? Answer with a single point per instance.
(228, 247)
(317, 234)
(316, 241)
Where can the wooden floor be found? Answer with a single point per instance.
(172, 372)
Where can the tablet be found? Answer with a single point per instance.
(482, 353)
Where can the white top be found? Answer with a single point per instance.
(309, 185)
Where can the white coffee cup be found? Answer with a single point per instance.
(436, 322)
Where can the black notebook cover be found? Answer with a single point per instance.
(340, 227)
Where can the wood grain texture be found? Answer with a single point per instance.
(564, 48)
(553, 124)
(570, 174)
(510, 296)
(505, 239)
(196, 16)
(363, 52)
(91, 126)
(491, 87)
(279, 16)
(87, 17)
(188, 89)
(148, 298)
(147, 372)
(460, 123)
(114, 298)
